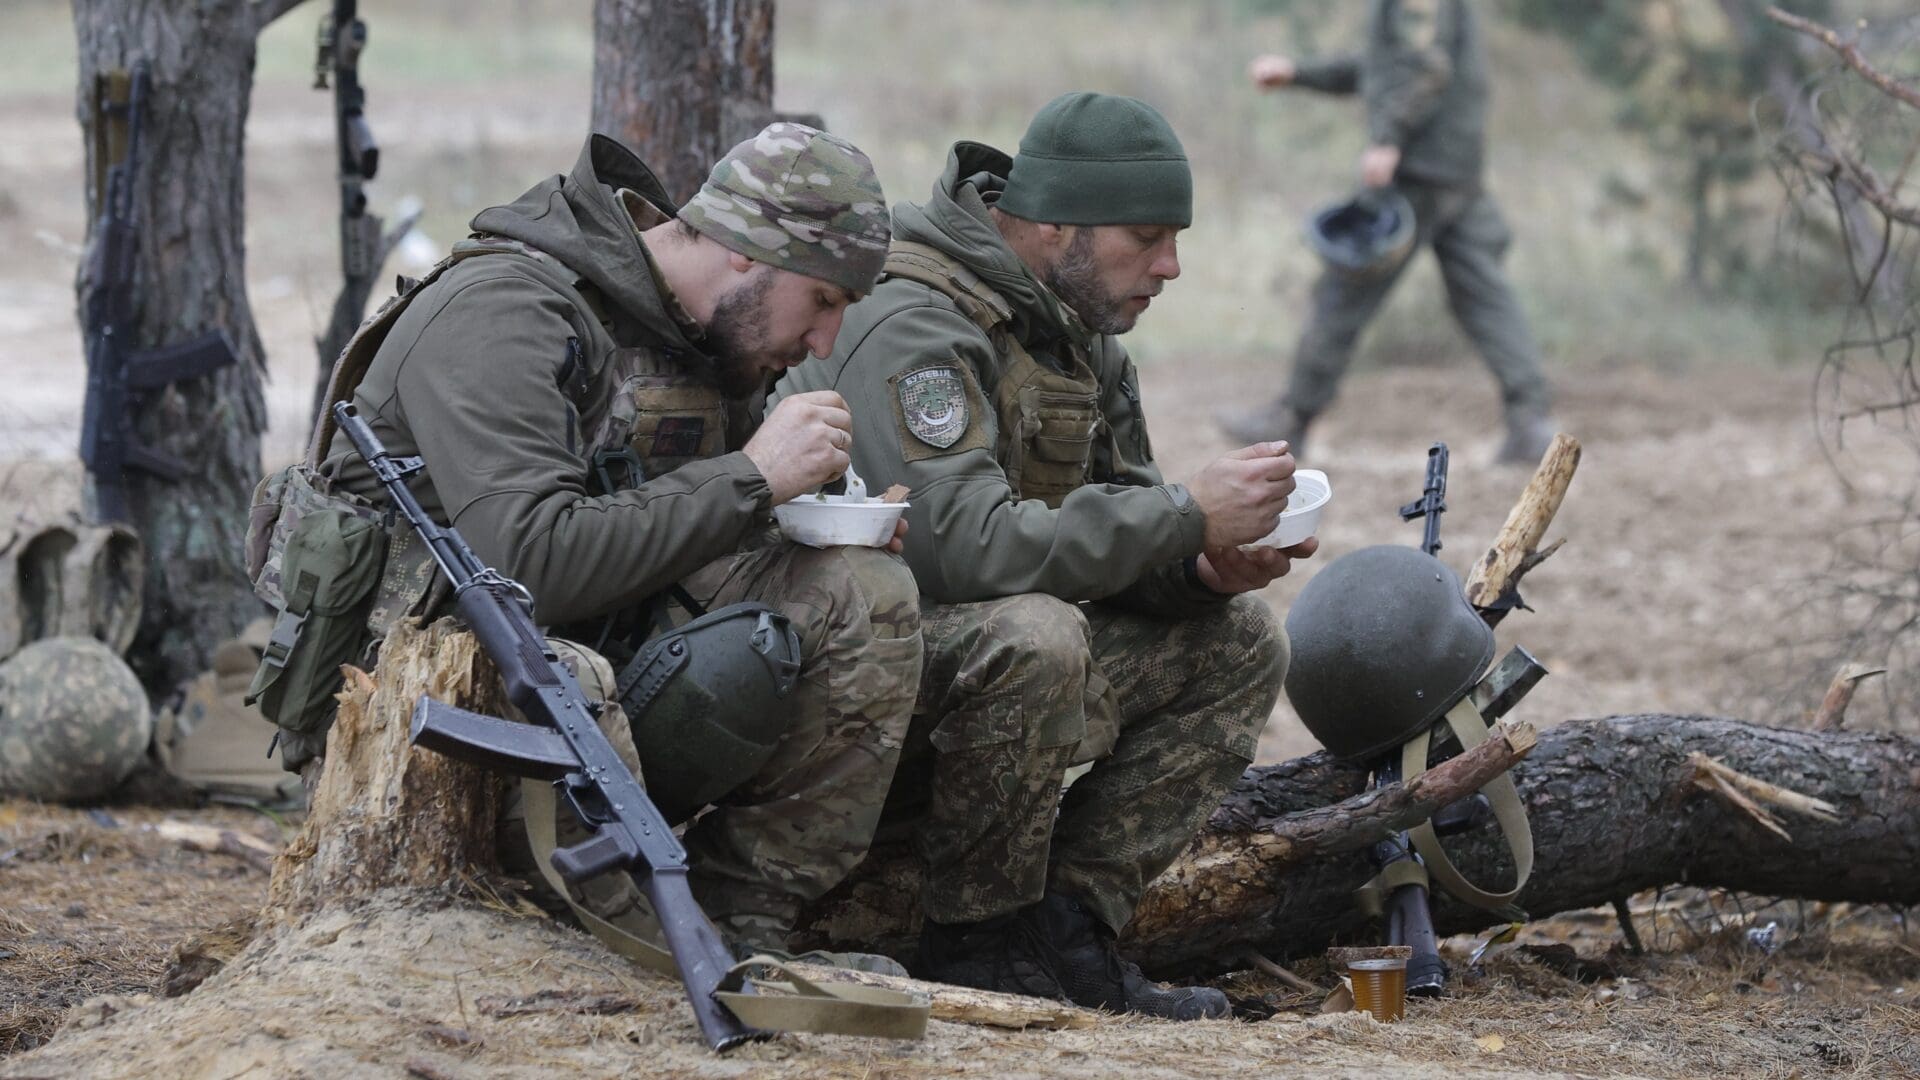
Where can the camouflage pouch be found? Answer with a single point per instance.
(317, 557)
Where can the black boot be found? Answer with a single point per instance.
(1006, 954)
(1093, 973)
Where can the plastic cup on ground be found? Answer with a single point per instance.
(1380, 987)
(1301, 519)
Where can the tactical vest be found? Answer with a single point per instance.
(1048, 419)
(632, 398)
(336, 572)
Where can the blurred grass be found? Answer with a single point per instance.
(475, 100)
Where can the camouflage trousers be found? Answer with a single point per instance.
(1469, 237)
(798, 825)
(1020, 688)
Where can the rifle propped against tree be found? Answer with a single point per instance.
(118, 375)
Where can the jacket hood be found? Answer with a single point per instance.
(955, 220)
(579, 219)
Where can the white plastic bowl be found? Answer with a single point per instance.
(833, 521)
(1301, 518)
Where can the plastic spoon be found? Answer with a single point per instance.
(856, 487)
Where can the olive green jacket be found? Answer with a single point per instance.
(1127, 537)
(1424, 77)
(496, 374)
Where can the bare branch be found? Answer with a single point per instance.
(1849, 54)
(266, 11)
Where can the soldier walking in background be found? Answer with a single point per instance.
(1423, 75)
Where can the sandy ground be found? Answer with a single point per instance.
(465, 988)
(1712, 566)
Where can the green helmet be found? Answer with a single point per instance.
(73, 720)
(1365, 236)
(704, 703)
(1384, 643)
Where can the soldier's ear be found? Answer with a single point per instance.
(1054, 238)
(739, 263)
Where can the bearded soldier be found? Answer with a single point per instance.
(1424, 78)
(1077, 607)
(579, 378)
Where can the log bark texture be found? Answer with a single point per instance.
(681, 81)
(1614, 811)
(383, 814)
(191, 277)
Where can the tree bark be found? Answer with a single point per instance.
(682, 81)
(191, 275)
(1614, 811)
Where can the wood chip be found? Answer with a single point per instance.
(214, 841)
(1289, 978)
(895, 494)
(427, 1069)
(449, 1036)
(964, 1005)
(1746, 793)
(557, 1001)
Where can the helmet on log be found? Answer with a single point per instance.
(1384, 643)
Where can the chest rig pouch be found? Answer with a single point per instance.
(1049, 419)
(665, 417)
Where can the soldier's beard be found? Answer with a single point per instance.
(737, 340)
(1075, 279)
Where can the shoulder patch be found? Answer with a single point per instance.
(939, 406)
(933, 401)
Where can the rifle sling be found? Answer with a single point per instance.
(1467, 725)
(796, 1003)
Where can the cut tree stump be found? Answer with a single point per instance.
(1614, 807)
(383, 814)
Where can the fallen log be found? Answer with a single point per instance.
(1617, 807)
(1615, 810)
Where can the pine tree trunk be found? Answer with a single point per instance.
(682, 81)
(191, 278)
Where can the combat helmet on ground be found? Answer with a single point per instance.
(73, 721)
(1364, 236)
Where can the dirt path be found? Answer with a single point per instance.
(433, 989)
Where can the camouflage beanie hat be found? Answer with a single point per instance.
(1100, 159)
(800, 199)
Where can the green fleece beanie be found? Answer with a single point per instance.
(1100, 159)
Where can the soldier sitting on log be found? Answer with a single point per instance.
(582, 379)
(1077, 607)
